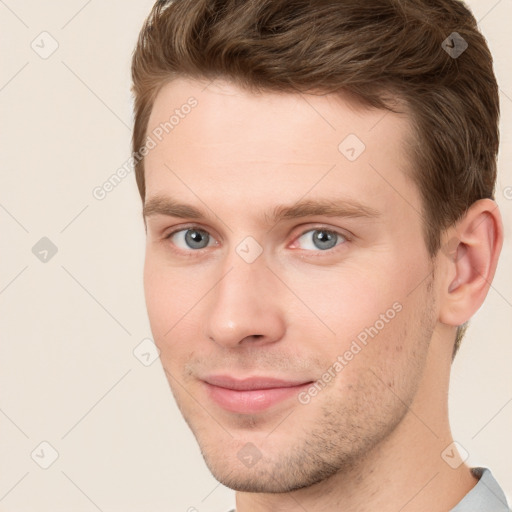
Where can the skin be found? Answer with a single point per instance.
(372, 439)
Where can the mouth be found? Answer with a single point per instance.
(251, 395)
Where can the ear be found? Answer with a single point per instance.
(471, 248)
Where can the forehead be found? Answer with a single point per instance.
(216, 140)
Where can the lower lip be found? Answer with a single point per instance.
(252, 401)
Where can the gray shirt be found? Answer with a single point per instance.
(486, 496)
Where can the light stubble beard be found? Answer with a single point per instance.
(352, 424)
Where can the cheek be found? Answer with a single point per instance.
(345, 300)
(166, 299)
(370, 312)
(395, 346)
(375, 373)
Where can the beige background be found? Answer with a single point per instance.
(69, 326)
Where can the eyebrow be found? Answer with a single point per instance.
(343, 207)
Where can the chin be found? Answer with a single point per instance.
(286, 474)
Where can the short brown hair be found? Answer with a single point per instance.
(374, 50)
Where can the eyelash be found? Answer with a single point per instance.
(190, 253)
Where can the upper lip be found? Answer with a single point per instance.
(251, 383)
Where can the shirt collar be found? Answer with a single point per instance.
(486, 495)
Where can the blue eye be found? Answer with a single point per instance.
(190, 238)
(322, 239)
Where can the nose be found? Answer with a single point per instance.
(244, 306)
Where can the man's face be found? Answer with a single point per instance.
(238, 298)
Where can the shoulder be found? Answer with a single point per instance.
(486, 496)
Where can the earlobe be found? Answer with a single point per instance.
(472, 253)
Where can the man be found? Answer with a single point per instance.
(317, 181)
